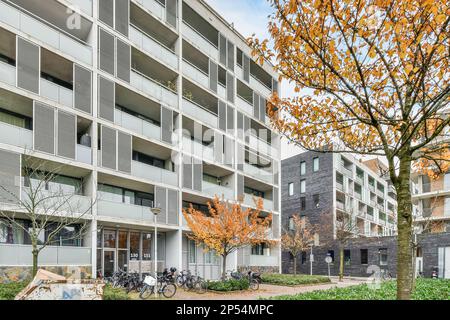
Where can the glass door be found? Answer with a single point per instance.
(108, 262)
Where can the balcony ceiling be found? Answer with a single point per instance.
(120, 182)
(16, 103)
(7, 44)
(137, 103)
(215, 170)
(257, 185)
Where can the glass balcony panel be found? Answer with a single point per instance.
(200, 113)
(195, 74)
(56, 93)
(84, 5)
(124, 211)
(154, 89)
(221, 91)
(7, 74)
(258, 173)
(200, 42)
(84, 154)
(137, 125)
(154, 7)
(249, 201)
(214, 189)
(152, 173)
(261, 88)
(244, 105)
(16, 136)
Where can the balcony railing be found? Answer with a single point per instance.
(148, 44)
(214, 189)
(65, 203)
(200, 41)
(124, 211)
(84, 5)
(199, 112)
(152, 173)
(260, 145)
(154, 7)
(198, 149)
(20, 255)
(154, 89)
(259, 86)
(16, 136)
(137, 125)
(84, 154)
(340, 186)
(258, 173)
(244, 105)
(194, 73)
(57, 93)
(248, 200)
(222, 91)
(7, 73)
(39, 30)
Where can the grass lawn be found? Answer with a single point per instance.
(426, 289)
(292, 280)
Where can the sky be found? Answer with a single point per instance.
(250, 17)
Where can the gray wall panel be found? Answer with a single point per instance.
(256, 109)
(230, 118)
(44, 128)
(230, 87)
(106, 99)
(67, 132)
(229, 151)
(197, 174)
(161, 202)
(28, 65)
(10, 173)
(222, 50)
(246, 67)
(240, 185)
(123, 63)
(106, 12)
(262, 109)
(106, 54)
(166, 124)
(230, 53)
(218, 147)
(171, 12)
(109, 148)
(82, 89)
(172, 207)
(124, 152)
(122, 16)
(187, 172)
(213, 75)
(222, 115)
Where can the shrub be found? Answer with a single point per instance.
(8, 291)
(110, 293)
(228, 285)
(292, 280)
(426, 289)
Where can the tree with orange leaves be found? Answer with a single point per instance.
(373, 78)
(297, 238)
(228, 227)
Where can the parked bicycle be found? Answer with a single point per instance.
(254, 278)
(164, 286)
(191, 282)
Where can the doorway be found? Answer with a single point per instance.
(109, 262)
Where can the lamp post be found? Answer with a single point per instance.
(155, 212)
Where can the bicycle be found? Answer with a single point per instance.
(253, 278)
(163, 285)
(385, 275)
(191, 282)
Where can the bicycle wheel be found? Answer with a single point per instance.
(179, 281)
(201, 286)
(169, 290)
(146, 292)
(254, 284)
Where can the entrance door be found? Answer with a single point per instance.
(109, 263)
(122, 257)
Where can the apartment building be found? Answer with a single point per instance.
(142, 103)
(326, 187)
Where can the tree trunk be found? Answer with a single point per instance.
(295, 264)
(341, 263)
(224, 267)
(35, 253)
(404, 226)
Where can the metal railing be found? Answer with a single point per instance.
(137, 125)
(57, 93)
(199, 112)
(152, 173)
(194, 73)
(198, 40)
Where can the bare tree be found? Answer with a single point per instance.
(47, 206)
(297, 238)
(344, 229)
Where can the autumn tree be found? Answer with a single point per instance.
(228, 227)
(373, 79)
(297, 238)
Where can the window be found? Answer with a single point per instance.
(291, 188)
(383, 256)
(291, 224)
(258, 250)
(302, 203)
(347, 257)
(316, 199)
(364, 256)
(303, 257)
(331, 254)
(192, 252)
(316, 164)
(302, 186)
(302, 168)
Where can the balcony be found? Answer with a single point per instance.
(84, 5)
(153, 47)
(20, 255)
(137, 125)
(214, 189)
(152, 173)
(195, 74)
(200, 41)
(267, 204)
(37, 29)
(124, 211)
(56, 93)
(7, 74)
(154, 89)
(347, 171)
(260, 87)
(84, 154)
(244, 105)
(69, 204)
(154, 7)
(260, 145)
(198, 149)
(16, 136)
(258, 173)
(340, 186)
(221, 91)
(196, 111)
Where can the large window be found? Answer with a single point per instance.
(121, 195)
(302, 186)
(15, 119)
(316, 164)
(347, 257)
(316, 200)
(291, 188)
(364, 256)
(383, 256)
(192, 252)
(258, 249)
